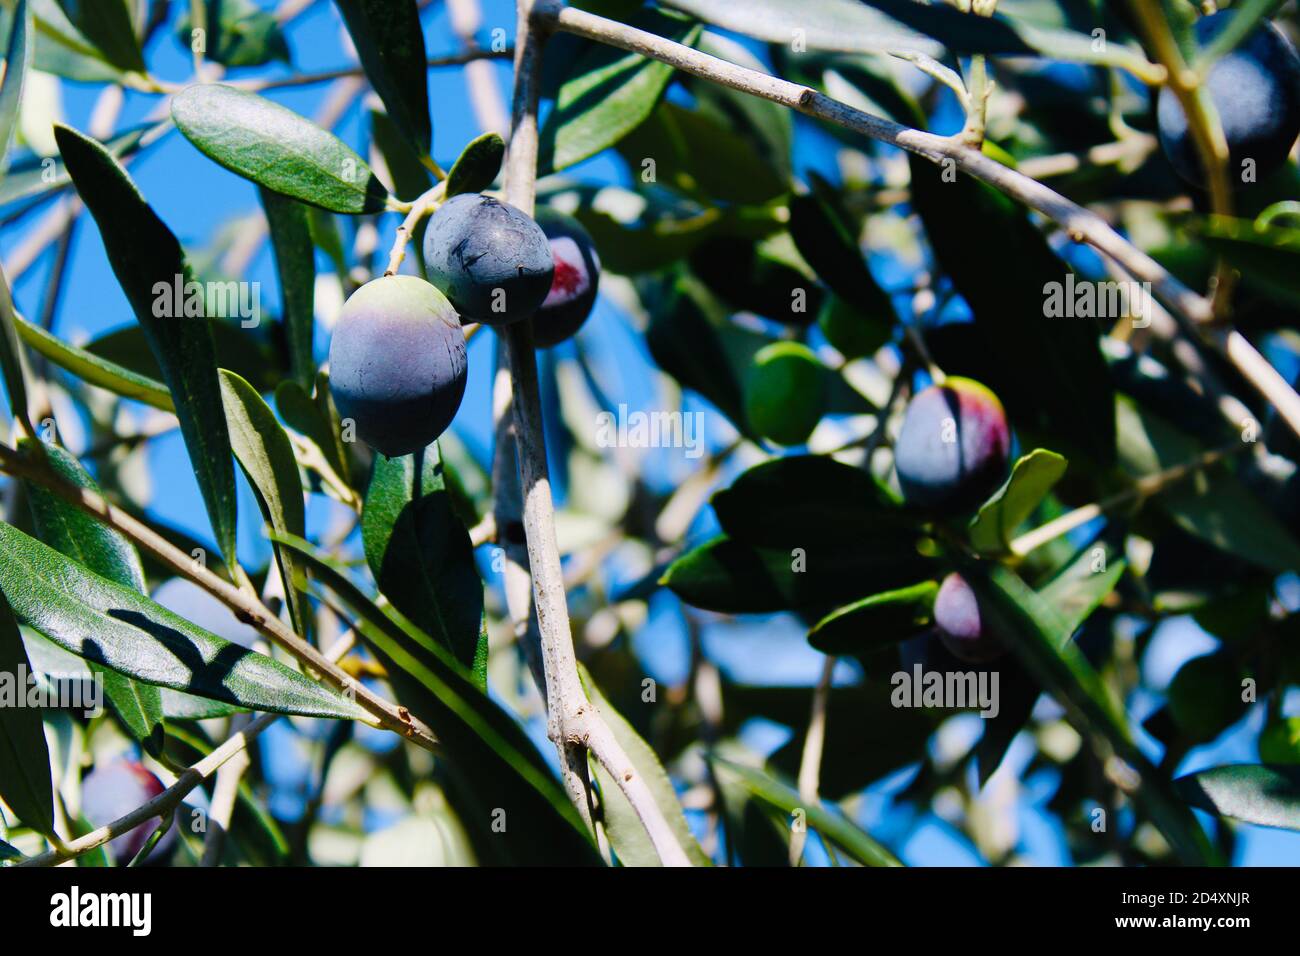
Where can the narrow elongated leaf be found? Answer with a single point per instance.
(9, 852)
(828, 822)
(304, 416)
(1215, 505)
(266, 455)
(149, 263)
(62, 49)
(92, 369)
(879, 620)
(477, 166)
(800, 498)
(609, 93)
(18, 55)
(106, 552)
(24, 756)
(31, 178)
(295, 263)
(827, 242)
(107, 24)
(390, 43)
(11, 364)
(421, 555)
(626, 833)
(118, 628)
(1073, 593)
(1268, 796)
(276, 148)
(492, 763)
(734, 577)
(1032, 477)
(239, 33)
(1038, 636)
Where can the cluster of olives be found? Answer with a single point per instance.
(1255, 90)
(952, 453)
(397, 358)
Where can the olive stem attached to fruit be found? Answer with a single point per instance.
(574, 724)
(420, 208)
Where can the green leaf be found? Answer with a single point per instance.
(702, 156)
(802, 498)
(98, 547)
(94, 370)
(421, 555)
(686, 345)
(238, 33)
(1267, 796)
(32, 178)
(609, 93)
(626, 833)
(148, 263)
(18, 54)
(295, 263)
(1267, 255)
(409, 176)
(118, 628)
(492, 762)
(390, 42)
(276, 148)
(11, 363)
(905, 25)
(266, 455)
(107, 25)
(62, 49)
(246, 352)
(877, 621)
(1039, 636)
(1214, 505)
(9, 852)
(830, 823)
(738, 578)
(826, 240)
(304, 416)
(25, 781)
(1032, 477)
(1073, 593)
(477, 166)
(1049, 373)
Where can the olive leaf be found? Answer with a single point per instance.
(390, 42)
(25, 781)
(98, 547)
(276, 148)
(295, 263)
(119, 628)
(149, 264)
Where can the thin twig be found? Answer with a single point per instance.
(575, 724)
(1081, 224)
(810, 762)
(247, 607)
(169, 799)
(1141, 489)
